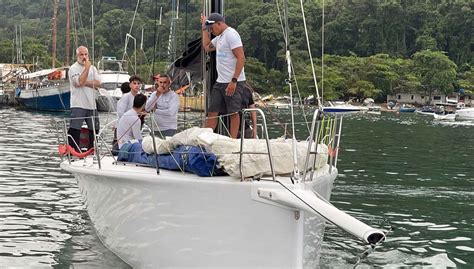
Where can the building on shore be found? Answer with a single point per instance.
(435, 99)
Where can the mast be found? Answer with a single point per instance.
(55, 15)
(209, 59)
(173, 31)
(17, 46)
(68, 37)
(93, 37)
(21, 47)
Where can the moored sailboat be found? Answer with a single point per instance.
(113, 75)
(253, 217)
(47, 89)
(44, 90)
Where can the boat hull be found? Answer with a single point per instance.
(465, 114)
(407, 110)
(54, 98)
(182, 220)
(341, 109)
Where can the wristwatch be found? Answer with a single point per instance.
(234, 80)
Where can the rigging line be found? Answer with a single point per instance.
(299, 96)
(92, 31)
(134, 15)
(156, 44)
(322, 52)
(154, 38)
(74, 23)
(292, 66)
(296, 172)
(81, 25)
(281, 21)
(310, 55)
(42, 16)
(131, 28)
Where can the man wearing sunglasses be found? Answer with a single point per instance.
(227, 93)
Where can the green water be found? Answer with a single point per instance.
(406, 173)
(411, 174)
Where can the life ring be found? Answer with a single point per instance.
(65, 149)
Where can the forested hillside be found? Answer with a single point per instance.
(372, 47)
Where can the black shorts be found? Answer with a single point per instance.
(79, 115)
(219, 102)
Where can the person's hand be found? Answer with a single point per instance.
(160, 89)
(87, 63)
(230, 90)
(203, 22)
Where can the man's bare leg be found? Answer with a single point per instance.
(211, 121)
(234, 125)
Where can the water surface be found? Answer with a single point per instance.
(406, 173)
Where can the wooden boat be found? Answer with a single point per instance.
(44, 90)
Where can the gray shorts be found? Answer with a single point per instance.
(219, 102)
(79, 115)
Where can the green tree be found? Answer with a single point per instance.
(435, 71)
(6, 51)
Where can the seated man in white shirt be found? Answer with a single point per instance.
(165, 103)
(128, 127)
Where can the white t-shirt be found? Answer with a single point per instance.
(166, 109)
(125, 104)
(225, 59)
(128, 127)
(82, 97)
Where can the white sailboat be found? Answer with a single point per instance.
(253, 217)
(178, 219)
(112, 75)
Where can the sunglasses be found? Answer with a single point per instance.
(208, 22)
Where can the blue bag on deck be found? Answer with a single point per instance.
(188, 158)
(133, 153)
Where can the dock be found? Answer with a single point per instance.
(7, 96)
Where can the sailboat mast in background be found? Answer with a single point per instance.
(54, 26)
(68, 34)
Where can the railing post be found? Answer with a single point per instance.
(242, 134)
(270, 156)
(154, 144)
(96, 147)
(338, 140)
(66, 139)
(310, 144)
